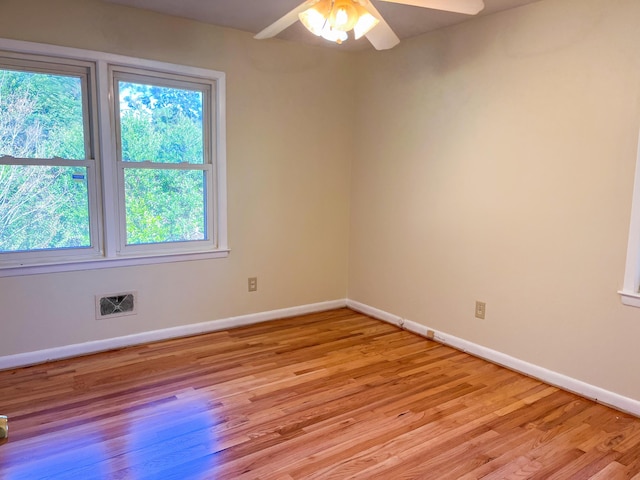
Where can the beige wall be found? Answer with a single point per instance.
(490, 161)
(288, 221)
(495, 163)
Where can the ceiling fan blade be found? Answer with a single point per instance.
(285, 21)
(382, 37)
(469, 7)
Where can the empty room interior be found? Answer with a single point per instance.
(419, 262)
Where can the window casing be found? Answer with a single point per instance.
(178, 198)
(630, 293)
(49, 174)
(184, 162)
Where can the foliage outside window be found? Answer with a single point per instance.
(88, 174)
(46, 157)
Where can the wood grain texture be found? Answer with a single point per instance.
(333, 395)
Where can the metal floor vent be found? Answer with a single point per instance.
(116, 305)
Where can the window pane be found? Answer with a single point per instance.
(164, 205)
(43, 208)
(160, 124)
(41, 115)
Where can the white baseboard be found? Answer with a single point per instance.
(579, 387)
(587, 390)
(58, 353)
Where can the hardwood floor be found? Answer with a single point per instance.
(333, 395)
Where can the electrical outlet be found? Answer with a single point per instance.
(253, 284)
(481, 309)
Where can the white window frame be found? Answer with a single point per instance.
(630, 293)
(85, 71)
(108, 251)
(207, 87)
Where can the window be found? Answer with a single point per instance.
(107, 160)
(164, 159)
(47, 166)
(630, 293)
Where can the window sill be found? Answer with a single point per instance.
(630, 298)
(95, 264)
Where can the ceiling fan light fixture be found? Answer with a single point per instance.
(365, 22)
(344, 15)
(332, 35)
(315, 18)
(332, 19)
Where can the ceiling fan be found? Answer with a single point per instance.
(332, 19)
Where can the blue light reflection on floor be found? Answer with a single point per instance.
(63, 463)
(170, 440)
(178, 438)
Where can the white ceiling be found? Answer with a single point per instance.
(254, 15)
